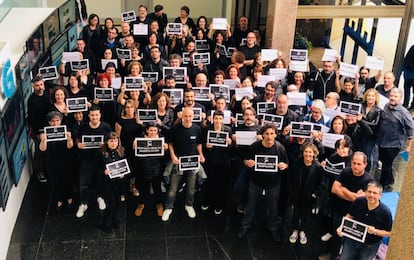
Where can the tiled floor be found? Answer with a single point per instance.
(41, 233)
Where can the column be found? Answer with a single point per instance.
(280, 25)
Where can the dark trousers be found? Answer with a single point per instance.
(37, 162)
(301, 215)
(144, 184)
(387, 156)
(216, 184)
(408, 84)
(272, 199)
(111, 195)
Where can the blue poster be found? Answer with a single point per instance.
(19, 157)
(7, 79)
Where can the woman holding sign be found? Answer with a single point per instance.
(56, 146)
(218, 141)
(128, 126)
(112, 152)
(304, 181)
(58, 96)
(151, 162)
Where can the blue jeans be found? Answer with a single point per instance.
(354, 250)
(272, 199)
(176, 176)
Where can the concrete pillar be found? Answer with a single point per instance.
(280, 25)
(401, 240)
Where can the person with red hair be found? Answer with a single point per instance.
(106, 105)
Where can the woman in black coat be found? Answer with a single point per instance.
(305, 184)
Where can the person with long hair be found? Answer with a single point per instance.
(128, 127)
(112, 151)
(161, 102)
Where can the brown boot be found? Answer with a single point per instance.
(160, 210)
(138, 211)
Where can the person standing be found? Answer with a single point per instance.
(352, 183)
(112, 151)
(372, 212)
(408, 68)
(264, 180)
(304, 181)
(185, 140)
(56, 162)
(38, 106)
(88, 157)
(395, 127)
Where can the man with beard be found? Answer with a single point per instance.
(189, 101)
(38, 106)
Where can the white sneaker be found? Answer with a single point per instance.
(81, 211)
(190, 211)
(326, 237)
(294, 237)
(302, 238)
(101, 203)
(166, 214)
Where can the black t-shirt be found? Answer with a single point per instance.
(262, 178)
(185, 140)
(352, 183)
(380, 217)
(103, 129)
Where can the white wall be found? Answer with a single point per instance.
(17, 39)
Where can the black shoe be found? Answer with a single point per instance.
(41, 177)
(242, 233)
(388, 188)
(59, 208)
(105, 229)
(275, 236)
(115, 224)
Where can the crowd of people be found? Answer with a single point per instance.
(241, 148)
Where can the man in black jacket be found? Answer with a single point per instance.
(38, 106)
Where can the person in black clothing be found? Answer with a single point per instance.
(95, 130)
(305, 184)
(38, 106)
(110, 42)
(185, 19)
(408, 68)
(111, 151)
(87, 54)
(217, 165)
(159, 16)
(250, 49)
(264, 175)
(150, 174)
(241, 184)
(322, 82)
(352, 183)
(92, 34)
(372, 212)
(56, 162)
(366, 82)
(241, 31)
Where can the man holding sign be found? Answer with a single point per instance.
(185, 140)
(375, 215)
(265, 175)
(351, 184)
